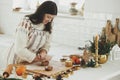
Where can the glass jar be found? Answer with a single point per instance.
(73, 10)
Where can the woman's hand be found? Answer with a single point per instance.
(42, 54)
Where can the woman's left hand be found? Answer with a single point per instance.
(42, 54)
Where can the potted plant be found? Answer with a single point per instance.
(104, 48)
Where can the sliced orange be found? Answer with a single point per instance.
(20, 70)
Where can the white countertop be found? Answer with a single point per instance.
(107, 71)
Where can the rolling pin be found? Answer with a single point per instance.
(8, 71)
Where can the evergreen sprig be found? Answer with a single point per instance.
(104, 46)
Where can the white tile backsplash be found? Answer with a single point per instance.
(75, 32)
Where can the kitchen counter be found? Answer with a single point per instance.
(107, 71)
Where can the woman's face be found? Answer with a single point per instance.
(48, 18)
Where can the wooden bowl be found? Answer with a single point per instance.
(48, 68)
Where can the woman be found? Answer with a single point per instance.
(33, 35)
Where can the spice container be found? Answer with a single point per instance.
(68, 63)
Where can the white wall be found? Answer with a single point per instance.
(106, 6)
(73, 32)
(110, 8)
(8, 19)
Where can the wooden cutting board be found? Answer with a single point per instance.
(58, 67)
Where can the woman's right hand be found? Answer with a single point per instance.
(42, 54)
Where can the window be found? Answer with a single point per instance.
(63, 5)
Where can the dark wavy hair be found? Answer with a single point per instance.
(47, 7)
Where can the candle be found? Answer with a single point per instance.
(96, 41)
(96, 50)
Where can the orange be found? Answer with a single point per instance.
(77, 61)
(74, 58)
(20, 70)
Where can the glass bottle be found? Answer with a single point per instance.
(73, 10)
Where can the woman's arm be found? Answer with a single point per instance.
(21, 46)
(46, 46)
(44, 50)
